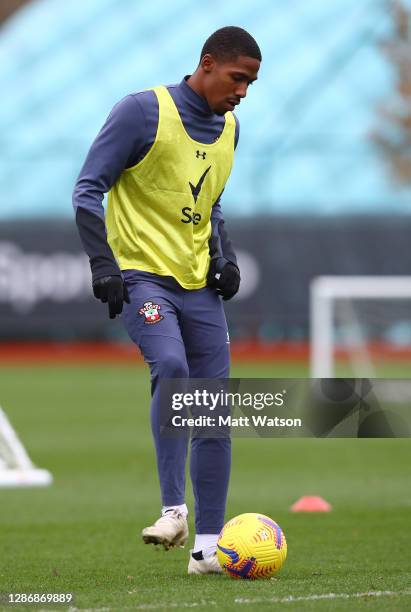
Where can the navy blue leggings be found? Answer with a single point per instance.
(183, 334)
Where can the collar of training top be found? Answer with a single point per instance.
(197, 103)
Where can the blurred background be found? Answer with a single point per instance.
(321, 186)
(322, 176)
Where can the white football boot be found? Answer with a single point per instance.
(170, 530)
(207, 565)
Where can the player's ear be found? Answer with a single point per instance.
(207, 62)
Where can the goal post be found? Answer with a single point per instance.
(325, 293)
(16, 467)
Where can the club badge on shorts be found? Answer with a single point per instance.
(150, 311)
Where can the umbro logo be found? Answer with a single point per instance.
(201, 154)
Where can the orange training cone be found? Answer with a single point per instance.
(311, 503)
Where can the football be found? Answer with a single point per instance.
(251, 546)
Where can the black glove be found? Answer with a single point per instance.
(111, 289)
(227, 282)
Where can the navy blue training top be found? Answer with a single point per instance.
(125, 138)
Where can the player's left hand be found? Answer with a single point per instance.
(227, 283)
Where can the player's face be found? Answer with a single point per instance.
(227, 83)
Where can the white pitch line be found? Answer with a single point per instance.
(150, 606)
(292, 598)
(245, 601)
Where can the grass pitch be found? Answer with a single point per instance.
(89, 425)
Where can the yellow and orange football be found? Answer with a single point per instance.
(251, 546)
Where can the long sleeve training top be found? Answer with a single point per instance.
(125, 138)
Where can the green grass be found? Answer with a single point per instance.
(89, 425)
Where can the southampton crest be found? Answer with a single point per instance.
(150, 311)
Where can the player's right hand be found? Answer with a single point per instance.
(111, 290)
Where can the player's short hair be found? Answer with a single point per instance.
(226, 44)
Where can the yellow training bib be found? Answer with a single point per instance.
(158, 214)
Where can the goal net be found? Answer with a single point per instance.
(16, 468)
(360, 326)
